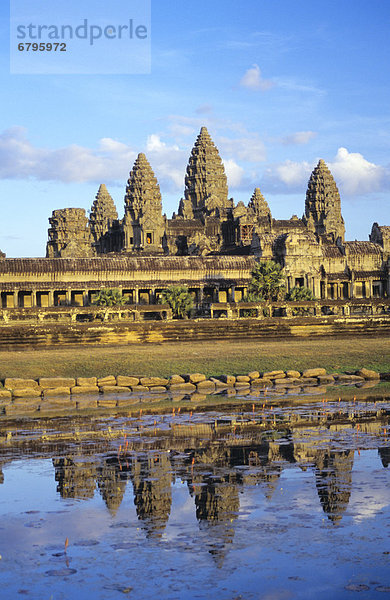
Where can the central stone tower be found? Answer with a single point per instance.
(206, 190)
(323, 205)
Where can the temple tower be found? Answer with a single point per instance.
(69, 236)
(323, 205)
(206, 190)
(103, 213)
(143, 223)
(258, 205)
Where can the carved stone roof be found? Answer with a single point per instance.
(362, 248)
(205, 181)
(121, 264)
(330, 251)
(282, 224)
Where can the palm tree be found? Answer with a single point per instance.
(300, 293)
(267, 282)
(109, 298)
(178, 297)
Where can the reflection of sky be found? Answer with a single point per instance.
(284, 546)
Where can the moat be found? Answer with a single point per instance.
(238, 498)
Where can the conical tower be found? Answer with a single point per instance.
(258, 205)
(206, 190)
(143, 222)
(323, 205)
(103, 213)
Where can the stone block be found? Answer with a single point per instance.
(84, 389)
(219, 385)
(108, 380)
(158, 389)
(139, 388)
(368, 374)
(243, 379)
(241, 385)
(27, 393)
(254, 375)
(176, 379)
(182, 387)
(113, 389)
(228, 379)
(274, 374)
(86, 381)
(14, 383)
(314, 372)
(5, 394)
(56, 382)
(196, 378)
(58, 391)
(152, 381)
(293, 374)
(123, 380)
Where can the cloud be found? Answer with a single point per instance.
(252, 80)
(298, 138)
(234, 173)
(356, 175)
(289, 176)
(19, 159)
(110, 162)
(250, 148)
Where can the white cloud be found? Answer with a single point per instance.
(356, 175)
(253, 80)
(234, 173)
(289, 174)
(299, 138)
(19, 159)
(250, 149)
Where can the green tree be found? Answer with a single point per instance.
(109, 298)
(300, 293)
(179, 298)
(267, 282)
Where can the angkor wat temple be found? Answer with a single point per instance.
(210, 245)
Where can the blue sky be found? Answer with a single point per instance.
(279, 84)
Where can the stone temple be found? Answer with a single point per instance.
(210, 245)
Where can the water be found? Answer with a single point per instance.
(258, 500)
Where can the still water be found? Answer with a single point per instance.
(257, 500)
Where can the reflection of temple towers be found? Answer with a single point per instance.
(334, 482)
(76, 479)
(217, 505)
(112, 484)
(152, 477)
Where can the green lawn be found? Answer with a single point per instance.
(211, 358)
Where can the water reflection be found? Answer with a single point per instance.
(249, 479)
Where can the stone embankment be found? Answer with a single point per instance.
(86, 392)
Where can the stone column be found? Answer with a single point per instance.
(51, 298)
(68, 299)
(33, 299)
(16, 299)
